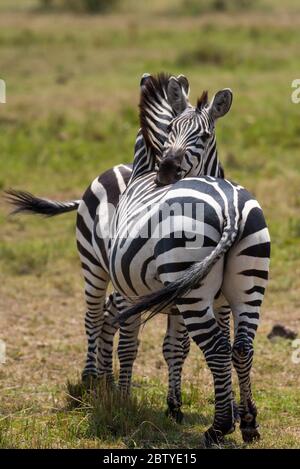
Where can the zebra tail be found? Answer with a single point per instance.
(192, 277)
(24, 202)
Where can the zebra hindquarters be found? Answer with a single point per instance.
(245, 280)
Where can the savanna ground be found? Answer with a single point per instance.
(71, 112)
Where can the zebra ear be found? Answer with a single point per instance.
(184, 83)
(221, 103)
(144, 79)
(176, 95)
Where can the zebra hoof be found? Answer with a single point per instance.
(213, 437)
(108, 382)
(250, 434)
(231, 430)
(175, 414)
(89, 381)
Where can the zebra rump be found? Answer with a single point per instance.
(28, 203)
(161, 299)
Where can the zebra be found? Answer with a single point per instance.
(105, 190)
(170, 269)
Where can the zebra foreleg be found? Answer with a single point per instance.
(109, 329)
(176, 347)
(127, 352)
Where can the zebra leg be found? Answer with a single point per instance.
(127, 348)
(245, 279)
(222, 312)
(202, 326)
(96, 280)
(242, 357)
(176, 347)
(109, 329)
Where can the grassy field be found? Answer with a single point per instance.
(71, 112)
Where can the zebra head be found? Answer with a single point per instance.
(190, 148)
(156, 111)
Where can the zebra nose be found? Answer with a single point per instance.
(169, 171)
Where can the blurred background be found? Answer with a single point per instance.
(72, 70)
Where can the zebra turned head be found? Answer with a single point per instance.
(190, 148)
(156, 111)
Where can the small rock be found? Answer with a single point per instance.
(281, 331)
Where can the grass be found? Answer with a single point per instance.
(71, 112)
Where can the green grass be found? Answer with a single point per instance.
(105, 419)
(71, 112)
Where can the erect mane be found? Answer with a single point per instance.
(203, 100)
(155, 111)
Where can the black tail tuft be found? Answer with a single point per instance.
(24, 202)
(154, 302)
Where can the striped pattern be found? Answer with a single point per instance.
(93, 218)
(190, 268)
(195, 156)
(139, 266)
(92, 235)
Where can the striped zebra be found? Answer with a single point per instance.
(156, 115)
(181, 244)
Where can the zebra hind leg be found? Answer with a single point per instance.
(176, 347)
(93, 327)
(222, 312)
(95, 290)
(202, 326)
(242, 357)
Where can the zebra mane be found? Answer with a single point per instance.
(155, 112)
(202, 101)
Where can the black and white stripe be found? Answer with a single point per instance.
(93, 218)
(172, 270)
